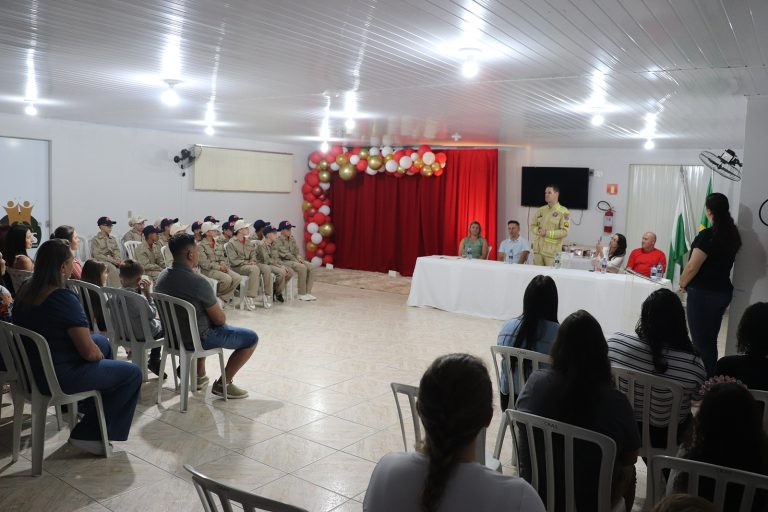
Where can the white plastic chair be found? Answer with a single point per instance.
(17, 277)
(762, 398)
(130, 249)
(82, 289)
(180, 324)
(522, 359)
(570, 433)
(724, 479)
(411, 392)
(167, 258)
(124, 330)
(26, 389)
(207, 488)
(83, 249)
(9, 375)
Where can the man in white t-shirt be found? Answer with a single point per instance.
(516, 248)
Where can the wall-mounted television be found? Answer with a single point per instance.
(573, 183)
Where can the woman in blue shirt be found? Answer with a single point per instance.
(82, 361)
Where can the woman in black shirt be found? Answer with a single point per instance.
(751, 366)
(707, 280)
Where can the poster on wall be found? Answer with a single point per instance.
(25, 193)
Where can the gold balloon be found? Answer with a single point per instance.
(324, 176)
(375, 162)
(363, 154)
(347, 171)
(435, 166)
(389, 157)
(427, 171)
(341, 159)
(400, 169)
(311, 247)
(322, 165)
(306, 205)
(325, 229)
(418, 163)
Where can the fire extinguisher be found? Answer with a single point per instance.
(607, 216)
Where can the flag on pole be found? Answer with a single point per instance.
(678, 247)
(704, 222)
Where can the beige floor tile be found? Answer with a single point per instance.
(287, 452)
(301, 493)
(200, 416)
(239, 435)
(350, 506)
(170, 495)
(341, 473)
(237, 471)
(374, 447)
(321, 376)
(327, 401)
(378, 413)
(286, 389)
(276, 414)
(363, 387)
(334, 432)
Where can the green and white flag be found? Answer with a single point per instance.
(678, 247)
(704, 222)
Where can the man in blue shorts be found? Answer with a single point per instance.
(180, 280)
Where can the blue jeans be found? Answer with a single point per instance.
(227, 336)
(119, 383)
(705, 314)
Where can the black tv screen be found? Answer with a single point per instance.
(573, 183)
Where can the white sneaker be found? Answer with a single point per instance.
(311, 297)
(305, 297)
(267, 303)
(249, 305)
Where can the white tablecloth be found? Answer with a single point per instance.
(491, 289)
(576, 262)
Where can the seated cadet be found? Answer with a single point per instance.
(104, 248)
(242, 258)
(148, 253)
(176, 228)
(226, 233)
(288, 251)
(196, 230)
(213, 264)
(165, 230)
(269, 262)
(258, 230)
(135, 233)
(233, 218)
(211, 218)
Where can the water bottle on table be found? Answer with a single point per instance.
(468, 252)
(603, 265)
(557, 259)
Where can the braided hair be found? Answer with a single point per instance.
(455, 402)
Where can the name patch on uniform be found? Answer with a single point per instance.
(554, 214)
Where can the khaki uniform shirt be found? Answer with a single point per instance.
(105, 248)
(162, 240)
(150, 259)
(286, 248)
(133, 236)
(221, 240)
(211, 258)
(267, 254)
(557, 221)
(240, 253)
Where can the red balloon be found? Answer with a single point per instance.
(309, 196)
(356, 150)
(330, 248)
(322, 244)
(321, 196)
(311, 212)
(306, 188)
(397, 174)
(317, 203)
(314, 171)
(319, 252)
(439, 172)
(397, 155)
(317, 191)
(327, 259)
(362, 165)
(441, 158)
(319, 218)
(307, 236)
(310, 255)
(423, 149)
(327, 202)
(312, 179)
(336, 150)
(315, 157)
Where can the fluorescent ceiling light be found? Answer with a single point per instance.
(470, 67)
(649, 144)
(172, 58)
(170, 97)
(324, 147)
(350, 124)
(209, 130)
(597, 120)
(30, 110)
(210, 115)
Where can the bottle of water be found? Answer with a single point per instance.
(654, 273)
(468, 252)
(603, 265)
(557, 260)
(510, 259)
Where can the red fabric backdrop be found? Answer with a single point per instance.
(384, 223)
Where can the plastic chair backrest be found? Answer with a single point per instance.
(536, 360)
(725, 479)
(19, 340)
(10, 374)
(130, 249)
(569, 433)
(83, 249)
(17, 278)
(173, 311)
(123, 328)
(86, 292)
(633, 384)
(207, 488)
(762, 398)
(166, 252)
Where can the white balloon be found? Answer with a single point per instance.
(371, 172)
(316, 238)
(405, 162)
(311, 164)
(391, 165)
(428, 158)
(325, 186)
(316, 261)
(354, 159)
(325, 209)
(387, 150)
(374, 151)
(414, 155)
(312, 227)
(334, 166)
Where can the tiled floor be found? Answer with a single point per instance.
(319, 415)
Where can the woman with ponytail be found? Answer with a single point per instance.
(455, 402)
(707, 280)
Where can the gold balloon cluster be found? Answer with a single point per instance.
(347, 171)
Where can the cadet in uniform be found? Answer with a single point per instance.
(288, 253)
(258, 231)
(269, 261)
(241, 254)
(196, 227)
(549, 227)
(226, 233)
(135, 233)
(148, 254)
(165, 230)
(213, 263)
(104, 248)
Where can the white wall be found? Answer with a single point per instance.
(107, 170)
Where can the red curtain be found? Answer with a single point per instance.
(384, 223)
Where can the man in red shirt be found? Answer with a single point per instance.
(646, 256)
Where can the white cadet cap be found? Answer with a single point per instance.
(177, 228)
(138, 219)
(240, 224)
(209, 226)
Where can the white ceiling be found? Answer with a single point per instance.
(269, 61)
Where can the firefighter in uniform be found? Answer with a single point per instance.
(104, 248)
(269, 261)
(148, 253)
(135, 234)
(549, 228)
(213, 264)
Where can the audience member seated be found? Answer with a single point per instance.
(288, 252)
(455, 402)
(270, 263)
(534, 330)
(617, 249)
(196, 226)
(226, 233)
(82, 361)
(165, 230)
(213, 264)
(474, 243)
(177, 228)
(181, 281)
(95, 272)
(751, 366)
(6, 300)
(135, 234)
(241, 254)
(684, 503)
(728, 431)
(131, 278)
(233, 218)
(516, 248)
(18, 241)
(661, 347)
(258, 231)
(646, 256)
(104, 248)
(69, 234)
(148, 253)
(579, 390)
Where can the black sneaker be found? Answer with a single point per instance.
(154, 367)
(279, 298)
